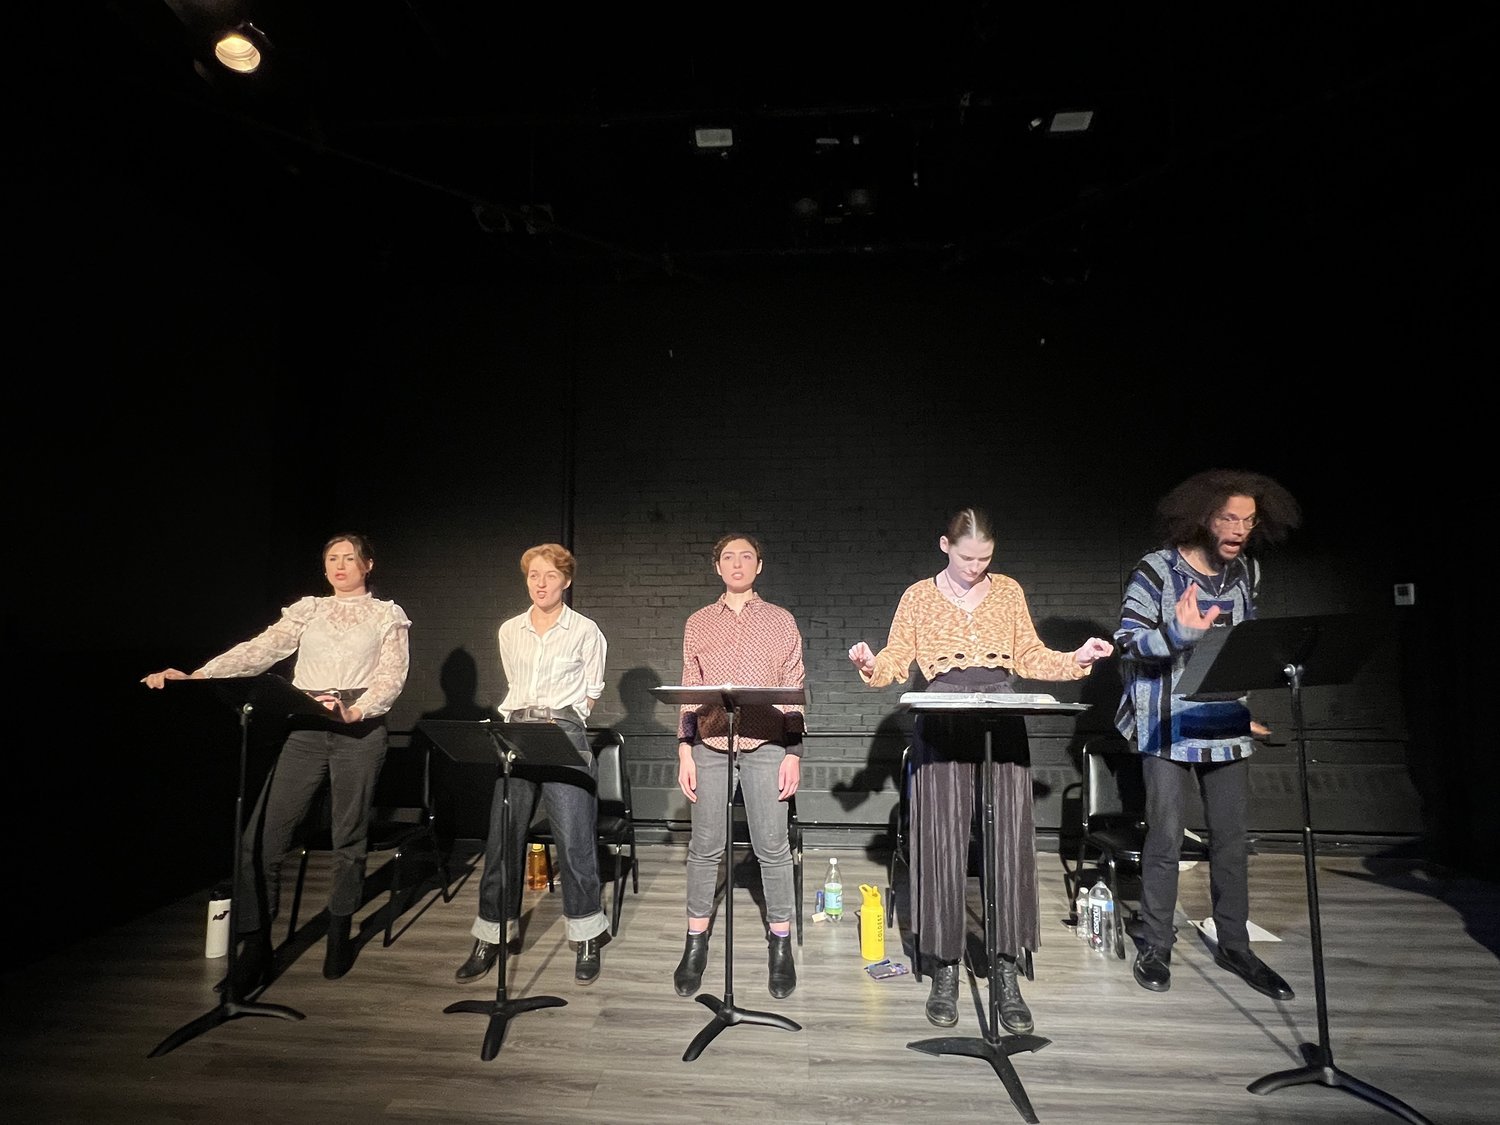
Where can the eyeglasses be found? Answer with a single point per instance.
(1247, 522)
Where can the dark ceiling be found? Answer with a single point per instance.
(563, 135)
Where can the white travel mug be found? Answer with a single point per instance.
(216, 944)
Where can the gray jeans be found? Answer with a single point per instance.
(757, 774)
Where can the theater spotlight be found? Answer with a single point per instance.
(243, 49)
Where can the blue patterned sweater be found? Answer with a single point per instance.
(1154, 650)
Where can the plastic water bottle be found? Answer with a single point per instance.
(1081, 913)
(833, 891)
(1101, 918)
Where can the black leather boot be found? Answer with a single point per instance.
(783, 968)
(942, 1003)
(589, 960)
(338, 958)
(480, 962)
(689, 972)
(1014, 1013)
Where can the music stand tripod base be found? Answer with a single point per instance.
(726, 1014)
(997, 1053)
(731, 697)
(535, 744)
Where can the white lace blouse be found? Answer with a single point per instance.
(345, 643)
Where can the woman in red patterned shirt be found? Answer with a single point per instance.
(740, 639)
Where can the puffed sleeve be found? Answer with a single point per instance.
(252, 657)
(391, 665)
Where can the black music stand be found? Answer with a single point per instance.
(993, 1047)
(731, 697)
(531, 744)
(275, 698)
(1297, 652)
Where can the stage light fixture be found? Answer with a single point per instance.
(242, 50)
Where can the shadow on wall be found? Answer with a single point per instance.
(882, 763)
(1100, 689)
(643, 710)
(461, 792)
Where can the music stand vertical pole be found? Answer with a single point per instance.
(502, 1008)
(993, 1047)
(732, 760)
(231, 1006)
(726, 1013)
(1319, 1066)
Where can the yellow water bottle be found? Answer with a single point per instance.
(871, 923)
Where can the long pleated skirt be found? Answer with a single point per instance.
(947, 758)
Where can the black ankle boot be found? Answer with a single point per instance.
(689, 972)
(252, 965)
(1014, 1013)
(942, 1003)
(338, 959)
(783, 968)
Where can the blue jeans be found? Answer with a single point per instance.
(758, 772)
(573, 809)
(351, 762)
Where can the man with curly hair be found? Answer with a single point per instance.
(1203, 577)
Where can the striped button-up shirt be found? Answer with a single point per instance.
(561, 669)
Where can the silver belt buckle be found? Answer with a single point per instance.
(536, 714)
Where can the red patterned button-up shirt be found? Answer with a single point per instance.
(760, 646)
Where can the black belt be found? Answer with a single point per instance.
(344, 695)
(545, 715)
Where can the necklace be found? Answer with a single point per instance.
(1219, 578)
(954, 596)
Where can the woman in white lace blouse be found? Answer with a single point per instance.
(352, 656)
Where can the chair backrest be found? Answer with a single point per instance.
(614, 778)
(404, 788)
(403, 794)
(740, 828)
(1114, 791)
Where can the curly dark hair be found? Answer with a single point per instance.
(1183, 515)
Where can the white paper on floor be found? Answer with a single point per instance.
(1211, 932)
